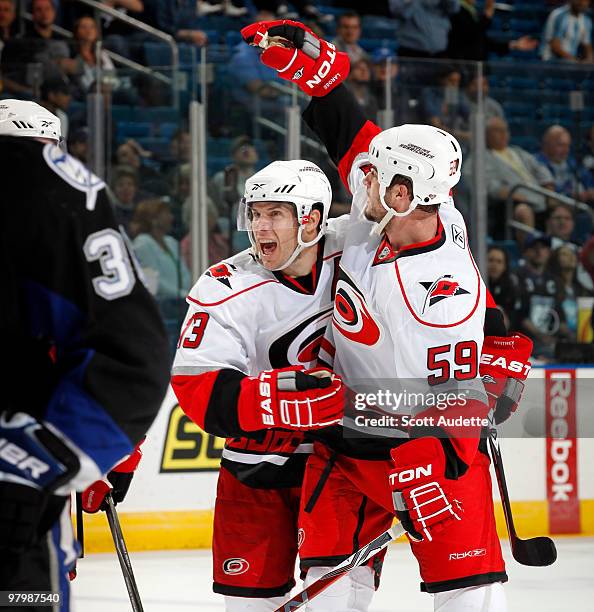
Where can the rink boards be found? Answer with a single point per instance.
(548, 450)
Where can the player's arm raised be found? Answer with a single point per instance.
(210, 381)
(300, 56)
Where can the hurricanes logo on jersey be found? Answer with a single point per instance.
(222, 272)
(444, 287)
(351, 316)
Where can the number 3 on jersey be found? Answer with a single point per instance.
(465, 356)
(193, 332)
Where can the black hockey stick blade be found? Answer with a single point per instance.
(535, 552)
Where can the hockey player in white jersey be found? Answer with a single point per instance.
(409, 309)
(243, 370)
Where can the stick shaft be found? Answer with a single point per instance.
(357, 559)
(122, 552)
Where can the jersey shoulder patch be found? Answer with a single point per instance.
(227, 280)
(73, 172)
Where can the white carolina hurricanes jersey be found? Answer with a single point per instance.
(255, 320)
(414, 316)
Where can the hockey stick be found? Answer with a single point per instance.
(123, 557)
(355, 560)
(539, 551)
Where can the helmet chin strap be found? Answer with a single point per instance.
(299, 248)
(379, 227)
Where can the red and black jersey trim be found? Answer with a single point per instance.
(264, 592)
(221, 416)
(462, 583)
(305, 284)
(424, 247)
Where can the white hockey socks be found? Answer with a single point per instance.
(486, 598)
(352, 593)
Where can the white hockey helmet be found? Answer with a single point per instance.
(298, 182)
(25, 118)
(428, 156)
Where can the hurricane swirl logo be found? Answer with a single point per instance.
(351, 317)
(235, 566)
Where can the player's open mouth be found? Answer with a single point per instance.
(267, 248)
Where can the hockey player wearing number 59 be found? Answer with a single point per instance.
(409, 306)
(243, 370)
(87, 358)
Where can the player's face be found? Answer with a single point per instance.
(495, 264)
(274, 225)
(374, 211)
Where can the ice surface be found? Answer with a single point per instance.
(181, 581)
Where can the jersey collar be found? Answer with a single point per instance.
(309, 283)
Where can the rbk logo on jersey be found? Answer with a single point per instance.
(222, 272)
(444, 287)
(351, 316)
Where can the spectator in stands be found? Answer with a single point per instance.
(502, 284)
(169, 16)
(227, 187)
(359, 82)
(561, 229)
(56, 97)
(562, 265)
(7, 21)
(40, 45)
(424, 26)
(180, 146)
(218, 242)
(491, 108)
(445, 107)
(469, 39)
(405, 102)
(505, 167)
(252, 82)
(158, 252)
(119, 36)
(127, 196)
(83, 69)
(229, 8)
(78, 144)
(348, 33)
(133, 155)
(569, 179)
(540, 312)
(560, 225)
(567, 34)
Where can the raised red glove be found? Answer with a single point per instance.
(420, 488)
(291, 398)
(299, 55)
(117, 482)
(504, 366)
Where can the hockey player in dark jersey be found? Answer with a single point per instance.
(254, 321)
(409, 307)
(86, 350)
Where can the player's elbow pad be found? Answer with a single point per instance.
(210, 400)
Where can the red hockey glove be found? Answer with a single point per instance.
(291, 398)
(505, 363)
(299, 55)
(420, 488)
(117, 482)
